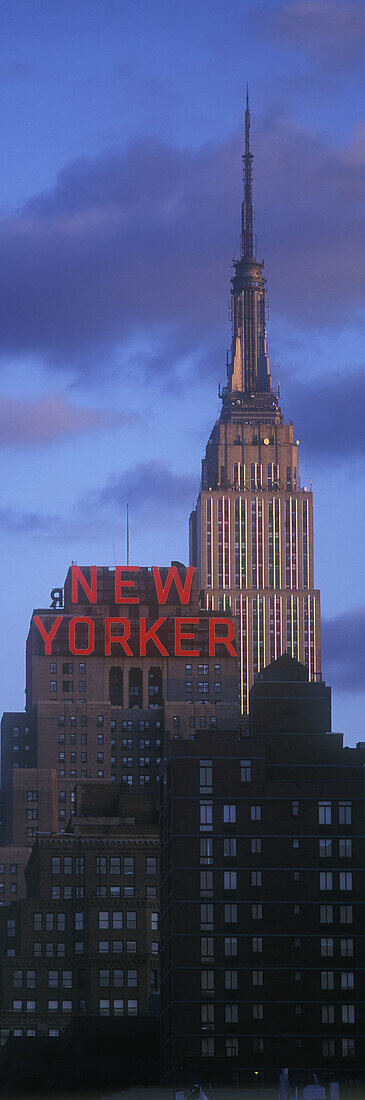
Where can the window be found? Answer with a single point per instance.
(328, 1014)
(229, 814)
(348, 1014)
(206, 850)
(207, 981)
(206, 883)
(257, 1012)
(257, 943)
(17, 979)
(56, 865)
(246, 773)
(325, 880)
(230, 846)
(256, 912)
(256, 845)
(255, 813)
(295, 809)
(207, 1017)
(206, 947)
(206, 917)
(326, 946)
(151, 865)
(327, 979)
(230, 979)
(230, 880)
(131, 919)
(128, 866)
(344, 813)
(114, 865)
(206, 816)
(79, 921)
(346, 914)
(324, 813)
(256, 878)
(347, 947)
(326, 914)
(103, 919)
(230, 913)
(230, 945)
(345, 848)
(345, 880)
(325, 847)
(257, 977)
(348, 1048)
(205, 775)
(328, 1048)
(347, 979)
(232, 1047)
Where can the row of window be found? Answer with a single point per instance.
(76, 892)
(231, 979)
(230, 809)
(114, 865)
(326, 879)
(68, 670)
(326, 847)
(232, 1013)
(347, 1048)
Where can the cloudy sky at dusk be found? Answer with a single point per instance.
(121, 132)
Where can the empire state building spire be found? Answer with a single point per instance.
(247, 208)
(248, 370)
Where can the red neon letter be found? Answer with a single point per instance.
(162, 591)
(124, 584)
(179, 637)
(226, 640)
(77, 577)
(72, 635)
(48, 638)
(151, 635)
(122, 639)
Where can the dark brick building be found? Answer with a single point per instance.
(85, 940)
(262, 893)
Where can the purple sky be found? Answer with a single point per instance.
(121, 128)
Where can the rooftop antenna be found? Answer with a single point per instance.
(127, 532)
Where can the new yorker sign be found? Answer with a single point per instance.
(117, 628)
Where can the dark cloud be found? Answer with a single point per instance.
(332, 29)
(25, 423)
(343, 650)
(328, 413)
(140, 241)
(151, 489)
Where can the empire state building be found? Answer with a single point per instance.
(251, 533)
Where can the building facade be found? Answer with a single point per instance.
(104, 717)
(251, 533)
(262, 895)
(85, 939)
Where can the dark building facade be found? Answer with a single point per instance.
(262, 894)
(85, 940)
